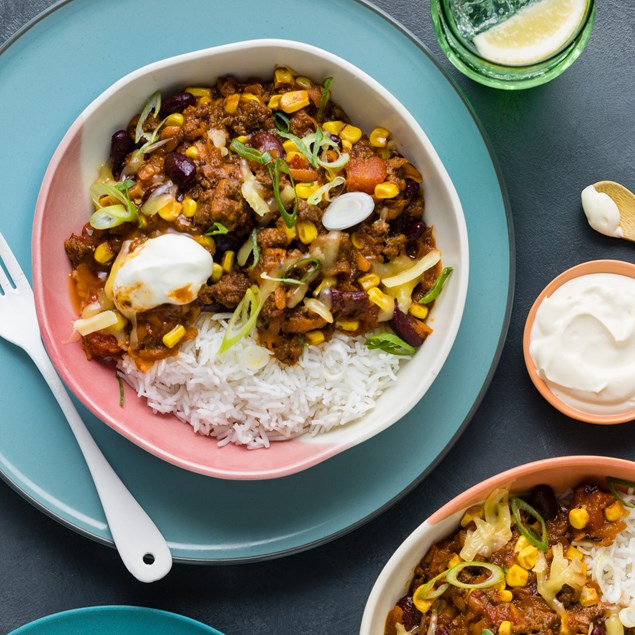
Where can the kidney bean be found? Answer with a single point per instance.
(349, 303)
(543, 499)
(415, 230)
(411, 189)
(180, 169)
(402, 325)
(411, 614)
(598, 629)
(225, 242)
(337, 140)
(120, 146)
(267, 142)
(214, 307)
(177, 103)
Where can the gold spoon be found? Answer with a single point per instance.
(625, 201)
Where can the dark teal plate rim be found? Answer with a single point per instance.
(101, 620)
(253, 553)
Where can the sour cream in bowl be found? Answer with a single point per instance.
(579, 342)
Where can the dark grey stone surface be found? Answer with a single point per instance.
(551, 141)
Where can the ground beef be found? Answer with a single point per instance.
(228, 291)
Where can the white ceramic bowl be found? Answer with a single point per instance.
(63, 207)
(561, 473)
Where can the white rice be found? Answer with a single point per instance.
(248, 398)
(613, 567)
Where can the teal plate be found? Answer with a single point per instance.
(58, 65)
(107, 620)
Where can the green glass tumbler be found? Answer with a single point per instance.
(464, 55)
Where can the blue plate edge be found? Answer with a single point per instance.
(486, 383)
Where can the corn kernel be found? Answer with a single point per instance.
(349, 133)
(421, 605)
(454, 560)
(103, 253)
(172, 338)
(386, 190)
(357, 240)
(614, 512)
(227, 261)
(189, 206)
(314, 337)
(347, 325)
(473, 512)
(307, 231)
(290, 232)
(505, 628)
(289, 156)
(303, 82)
(250, 97)
(420, 311)
(521, 543)
(282, 76)
(505, 595)
(170, 211)
(527, 557)
(516, 576)
(326, 283)
(294, 100)
(217, 272)
(289, 146)
(347, 146)
(199, 91)
(206, 241)
(205, 99)
(379, 137)
(573, 553)
(274, 102)
(175, 119)
(383, 301)
(192, 152)
(230, 103)
(578, 517)
(304, 190)
(589, 596)
(334, 127)
(368, 281)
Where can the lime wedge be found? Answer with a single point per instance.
(537, 32)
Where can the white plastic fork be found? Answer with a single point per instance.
(139, 542)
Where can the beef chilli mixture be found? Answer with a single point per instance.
(513, 567)
(313, 225)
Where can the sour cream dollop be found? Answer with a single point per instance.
(583, 343)
(168, 269)
(601, 212)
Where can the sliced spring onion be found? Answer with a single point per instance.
(121, 393)
(283, 126)
(428, 592)
(255, 249)
(316, 197)
(437, 286)
(216, 229)
(153, 105)
(612, 482)
(317, 306)
(347, 210)
(416, 271)
(326, 87)
(486, 631)
(308, 275)
(279, 166)
(496, 575)
(108, 217)
(249, 153)
(390, 343)
(244, 318)
(336, 165)
(538, 541)
(250, 246)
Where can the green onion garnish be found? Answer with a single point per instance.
(244, 318)
(306, 278)
(121, 394)
(496, 575)
(249, 153)
(215, 229)
(255, 249)
(112, 215)
(282, 124)
(612, 482)
(152, 105)
(325, 97)
(390, 343)
(279, 166)
(437, 287)
(538, 541)
(486, 631)
(428, 592)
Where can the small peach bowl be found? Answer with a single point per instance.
(561, 473)
(585, 268)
